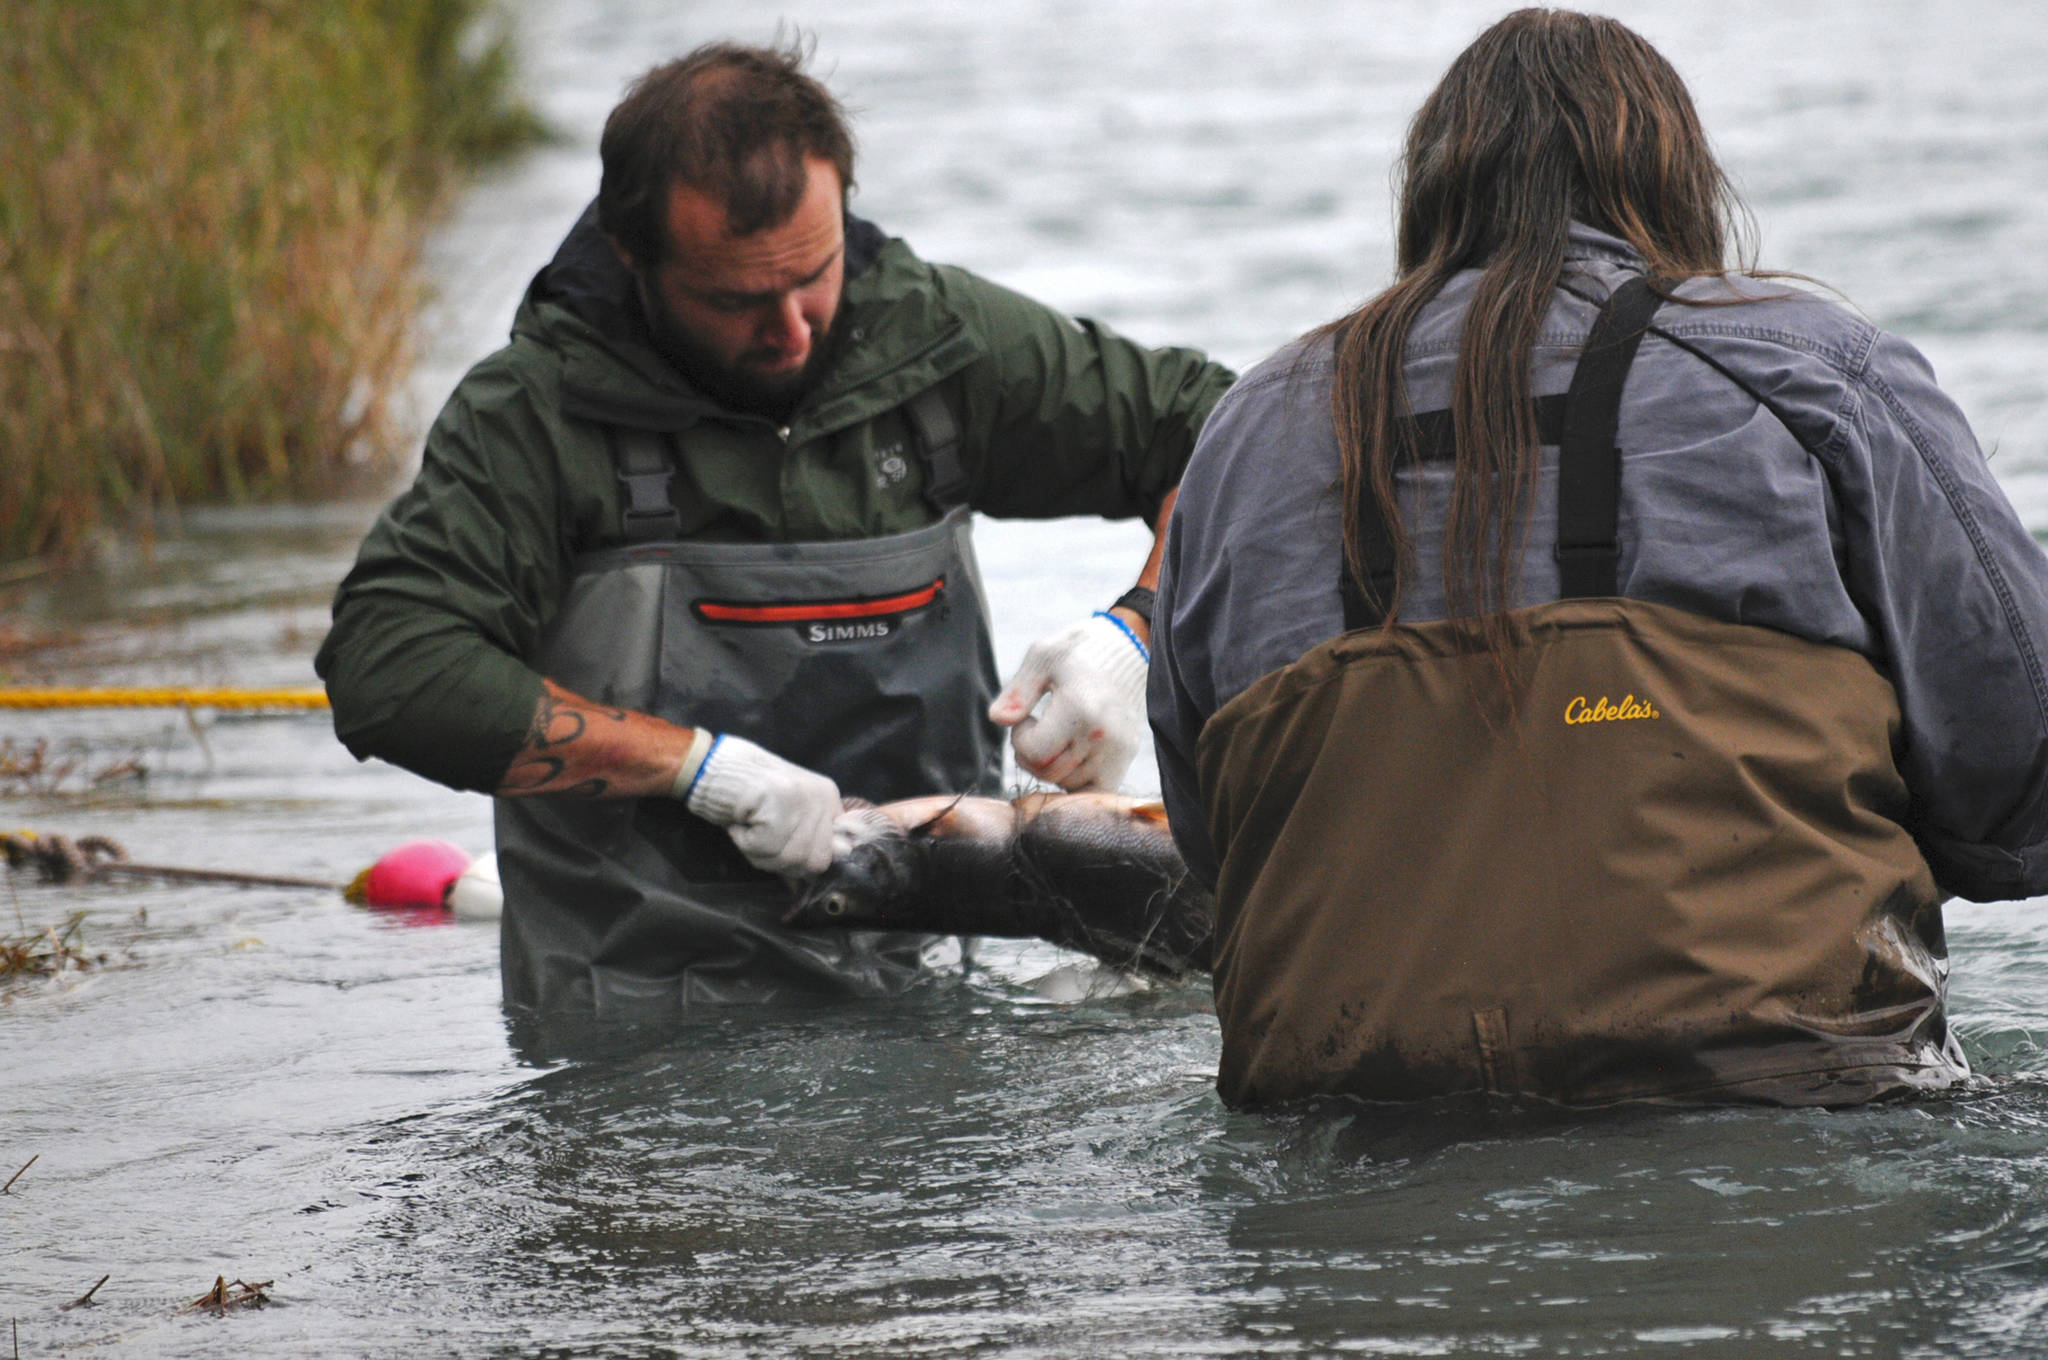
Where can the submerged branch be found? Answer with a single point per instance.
(17, 1175)
(85, 1299)
(225, 1295)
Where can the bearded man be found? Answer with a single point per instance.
(690, 558)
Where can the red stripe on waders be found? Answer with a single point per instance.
(713, 611)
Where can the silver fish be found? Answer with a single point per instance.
(1090, 871)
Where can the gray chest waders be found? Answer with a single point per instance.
(867, 660)
(1673, 869)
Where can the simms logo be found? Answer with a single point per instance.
(822, 622)
(848, 632)
(1629, 709)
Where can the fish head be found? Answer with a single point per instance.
(873, 874)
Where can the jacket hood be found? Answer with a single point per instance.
(583, 303)
(587, 279)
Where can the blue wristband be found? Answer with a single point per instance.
(1122, 627)
(702, 766)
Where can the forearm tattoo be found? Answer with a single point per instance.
(545, 764)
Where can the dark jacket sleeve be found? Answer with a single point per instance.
(1959, 591)
(1067, 416)
(447, 591)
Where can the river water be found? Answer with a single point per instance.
(271, 1085)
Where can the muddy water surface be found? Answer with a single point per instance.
(270, 1085)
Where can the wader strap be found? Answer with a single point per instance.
(647, 515)
(937, 433)
(1432, 439)
(1368, 608)
(1435, 439)
(1588, 464)
(1581, 423)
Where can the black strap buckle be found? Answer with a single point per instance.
(645, 472)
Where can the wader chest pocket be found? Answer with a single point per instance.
(824, 622)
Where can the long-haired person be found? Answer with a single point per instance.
(1584, 670)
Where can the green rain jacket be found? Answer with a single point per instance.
(462, 573)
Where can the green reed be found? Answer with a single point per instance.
(211, 214)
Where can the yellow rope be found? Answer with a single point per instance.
(164, 698)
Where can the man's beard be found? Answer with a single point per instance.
(736, 389)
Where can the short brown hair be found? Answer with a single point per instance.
(736, 122)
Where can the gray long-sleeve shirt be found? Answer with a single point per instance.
(1784, 464)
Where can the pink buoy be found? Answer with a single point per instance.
(415, 874)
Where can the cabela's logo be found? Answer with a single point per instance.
(1604, 710)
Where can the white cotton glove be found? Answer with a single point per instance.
(778, 814)
(1092, 677)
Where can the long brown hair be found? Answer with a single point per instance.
(1549, 117)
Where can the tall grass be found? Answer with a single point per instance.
(210, 223)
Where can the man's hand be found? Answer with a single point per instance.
(778, 814)
(1092, 678)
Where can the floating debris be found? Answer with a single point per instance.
(225, 1295)
(35, 769)
(17, 1175)
(46, 952)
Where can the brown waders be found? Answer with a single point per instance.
(1671, 866)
